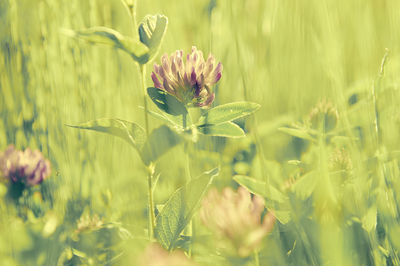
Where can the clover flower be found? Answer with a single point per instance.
(236, 217)
(340, 160)
(27, 167)
(155, 255)
(191, 82)
(89, 223)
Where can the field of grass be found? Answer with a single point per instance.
(322, 150)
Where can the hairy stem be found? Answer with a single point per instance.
(152, 218)
(189, 229)
(146, 115)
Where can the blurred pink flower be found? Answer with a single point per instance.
(155, 255)
(189, 82)
(28, 167)
(236, 218)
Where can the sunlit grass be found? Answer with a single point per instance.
(284, 55)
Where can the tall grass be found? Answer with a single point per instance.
(285, 55)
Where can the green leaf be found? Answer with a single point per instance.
(175, 121)
(130, 132)
(166, 102)
(151, 32)
(102, 35)
(369, 220)
(305, 185)
(260, 188)
(299, 133)
(180, 208)
(159, 142)
(227, 129)
(283, 216)
(228, 112)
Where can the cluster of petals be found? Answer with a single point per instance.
(27, 167)
(236, 217)
(190, 82)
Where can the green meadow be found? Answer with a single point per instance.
(315, 136)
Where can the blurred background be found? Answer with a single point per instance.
(282, 54)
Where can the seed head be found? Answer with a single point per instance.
(89, 223)
(27, 167)
(324, 116)
(191, 81)
(340, 160)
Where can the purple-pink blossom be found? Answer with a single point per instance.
(190, 82)
(27, 167)
(235, 217)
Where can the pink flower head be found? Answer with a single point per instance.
(189, 82)
(235, 216)
(155, 255)
(28, 167)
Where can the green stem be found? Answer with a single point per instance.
(256, 259)
(189, 229)
(146, 115)
(131, 4)
(152, 217)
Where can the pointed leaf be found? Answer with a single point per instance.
(130, 132)
(151, 32)
(369, 220)
(166, 102)
(283, 216)
(159, 142)
(305, 185)
(228, 112)
(175, 121)
(297, 132)
(259, 187)
(227, 129)
(180, 208)
(107, 36)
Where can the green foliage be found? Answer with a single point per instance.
(166, 102)
(150, 149)
(261, 188)
(227, 129)
(110, 37)
(301, 133)
(159, 142)
(151, 32)
(180, 208)
(128, 131)
(331, 208)
(227, 112)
